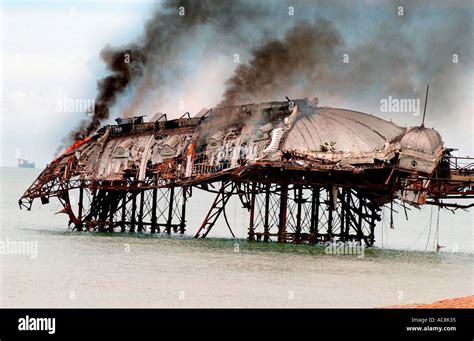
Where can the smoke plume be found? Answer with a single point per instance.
(348, 55)
(290, 66)
(140, 65)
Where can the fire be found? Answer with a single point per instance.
(77, 144)
(191, 151)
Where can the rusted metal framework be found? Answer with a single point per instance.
(135, 210)
(304, 174)
(300, 214)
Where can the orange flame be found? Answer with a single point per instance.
(77, 144)
(191, 151)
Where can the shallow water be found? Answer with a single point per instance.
(121, 270)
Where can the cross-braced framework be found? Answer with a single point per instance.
(133, 208)
(309, 214)
(278, 212)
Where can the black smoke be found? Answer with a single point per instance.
(140, 64)
(303, 55)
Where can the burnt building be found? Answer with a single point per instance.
(306, 174)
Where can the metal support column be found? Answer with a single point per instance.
(342, 235)
(372, 226)
(330, 209)
(182, 224)
(80, 209)
(124, 211)
(283, 210)
(170, 211)
(299, 202)
(153, 210)
(134, 212)
(347, 204)
(251, 233)
(359, 221)
(140, 212)
(266, 227)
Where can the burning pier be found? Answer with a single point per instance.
(306, 174)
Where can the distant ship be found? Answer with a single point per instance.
(25, 163)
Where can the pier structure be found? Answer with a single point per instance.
(303, 173)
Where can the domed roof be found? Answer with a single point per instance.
(422, 139)
(350, 130)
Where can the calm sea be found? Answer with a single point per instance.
(68, 269)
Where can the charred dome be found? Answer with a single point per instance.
(296, 134)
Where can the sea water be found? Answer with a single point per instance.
(45, 264)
